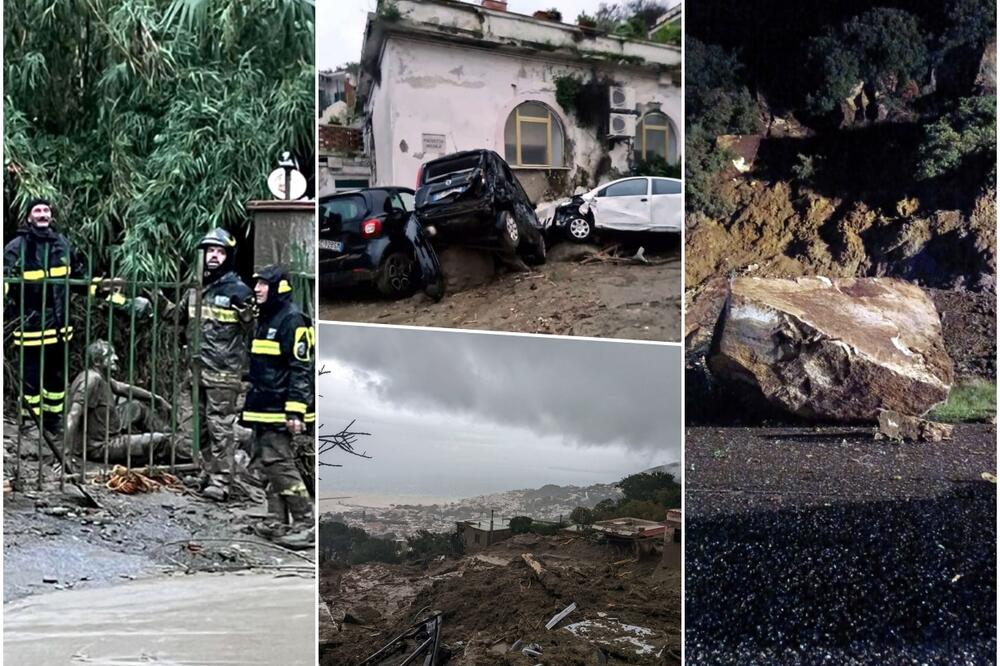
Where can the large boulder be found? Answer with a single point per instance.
(838, 350)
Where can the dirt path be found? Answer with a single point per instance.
(608, 300)
(821, 545)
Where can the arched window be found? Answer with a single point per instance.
(654, 137)
(533, 136)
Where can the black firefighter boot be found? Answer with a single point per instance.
(302, 533)
(276, 523)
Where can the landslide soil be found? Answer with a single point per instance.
(781, 230)
(822, 545)
(492, 599)
(611, 299)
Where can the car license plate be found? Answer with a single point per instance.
(336, 246)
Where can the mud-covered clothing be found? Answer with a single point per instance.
(219, 416)
(281, 369)
(223, 330)
(109, 421)
(34, 256)
(225, 325)
(288, 492)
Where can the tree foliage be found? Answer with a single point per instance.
(646, 495)
(632, 19)
(520, 525)
(148, 122)
(969, 133)
(427, 545)
(717, 102)
(883, 47)
(972, 23)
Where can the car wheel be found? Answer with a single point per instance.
(395, 276)
(435, 289)
(537, 256)
(508, 226)
(580, 229)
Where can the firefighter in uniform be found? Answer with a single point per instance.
(226, 321)
(280, 404)
(40, 252)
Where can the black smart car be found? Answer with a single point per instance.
(472, 198)
(372, 236)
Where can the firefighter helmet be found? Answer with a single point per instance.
(218, 238)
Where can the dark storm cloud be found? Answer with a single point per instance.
(591, 393)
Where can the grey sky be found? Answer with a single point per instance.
(340, 24)
(457, 414)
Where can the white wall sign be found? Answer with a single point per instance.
(433, 143)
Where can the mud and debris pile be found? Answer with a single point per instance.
(610, 291)
(496, 602)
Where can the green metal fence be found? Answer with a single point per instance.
(151, 342)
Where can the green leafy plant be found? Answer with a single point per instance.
(658, 167)
(567, 91)
(388, 10)
(968, 402)
(882, 47)
(149, 122)
(968, 133)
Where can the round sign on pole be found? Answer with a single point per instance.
(287, 185)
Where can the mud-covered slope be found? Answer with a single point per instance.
(627, 610)
(779, 230)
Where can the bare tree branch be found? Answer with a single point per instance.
(341, 441)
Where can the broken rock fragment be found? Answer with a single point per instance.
(900, 427)
(838, 350)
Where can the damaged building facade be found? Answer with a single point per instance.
(566, 107)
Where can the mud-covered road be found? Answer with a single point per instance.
(244, 619)
(107, 586)
(52, 543)
(565, 296)
(821, 545)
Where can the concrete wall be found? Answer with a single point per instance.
(466, 94)
(486, 538)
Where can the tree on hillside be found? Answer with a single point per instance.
(967, 134)
(971, 23)
(717, 102)
(581, 515)
(882, 48)
(658, 487)
(148, 122)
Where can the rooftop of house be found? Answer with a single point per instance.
(463, 24)
(484, 525)
(629, 527)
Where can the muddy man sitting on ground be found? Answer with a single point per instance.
(114, 425)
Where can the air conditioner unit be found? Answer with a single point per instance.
(621, 124)
(622, 98)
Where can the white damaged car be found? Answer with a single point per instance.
(637, 203)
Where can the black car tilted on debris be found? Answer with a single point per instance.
(371, 236)
(472, 198)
